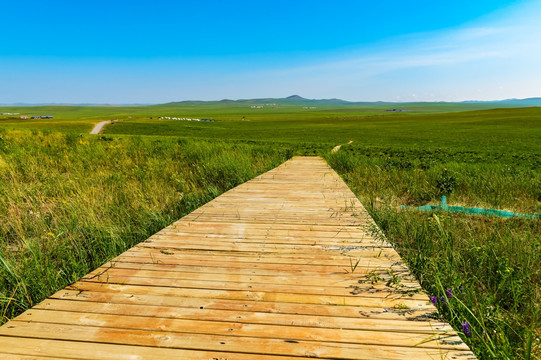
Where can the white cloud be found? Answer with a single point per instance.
(496, 57)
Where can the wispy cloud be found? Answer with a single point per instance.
(493, 58)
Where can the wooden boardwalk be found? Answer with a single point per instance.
(283, 266)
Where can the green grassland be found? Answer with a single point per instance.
(426, 125)
(501, 129)
(82, 118)
(145, 173)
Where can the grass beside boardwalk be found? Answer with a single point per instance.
(491, 265)
(68, 203)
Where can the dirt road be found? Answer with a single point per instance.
(99, 126)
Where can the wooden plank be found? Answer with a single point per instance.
(279, 244)
(6, 356)
(240, 290)
(257, 248)
(363, 266)
(295, 271)
(242, 307)
(383, 331)
(211, 227)
(222, 344)
(283, 266)
(94, 350)
(201, 310)
(336, 255)
(291, 284)
(288, 240)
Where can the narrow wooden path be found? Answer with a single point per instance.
(284, 266)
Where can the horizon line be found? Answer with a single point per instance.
(22, 104)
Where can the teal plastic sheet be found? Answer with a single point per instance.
(471, 211)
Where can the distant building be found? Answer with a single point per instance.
(23, 117)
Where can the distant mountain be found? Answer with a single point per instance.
(522, 102)
(297, 99)
(293, 99)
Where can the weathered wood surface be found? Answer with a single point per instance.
(283, 266)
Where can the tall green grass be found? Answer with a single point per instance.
(416, 176)
(68, 203)
(491, 265)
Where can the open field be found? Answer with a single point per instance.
(145, 173)
(82, 118)
(502, 130)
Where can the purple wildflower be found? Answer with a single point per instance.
(449, 293)
(443, 300)
(434, 300)
(466, 329)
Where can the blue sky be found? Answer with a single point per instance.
(152, 52)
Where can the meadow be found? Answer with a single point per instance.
(144, 119)
(145, 173)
